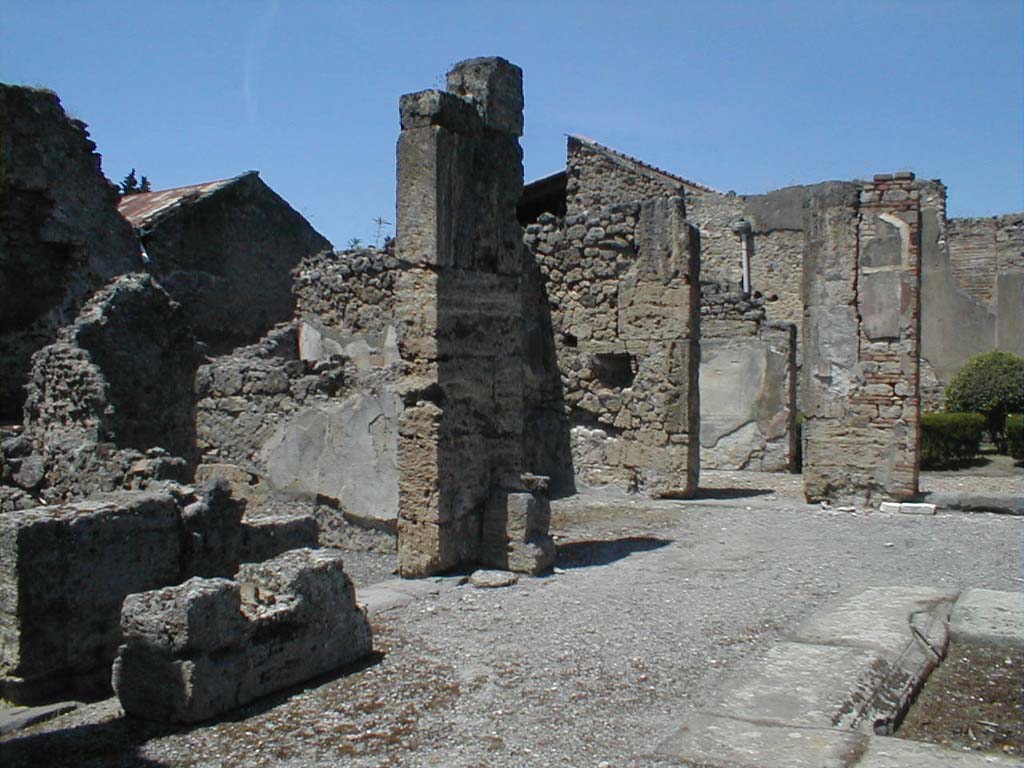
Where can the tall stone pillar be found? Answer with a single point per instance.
(460, 310)
(862, 320)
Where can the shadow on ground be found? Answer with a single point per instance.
(582, 554)
(731, 493)
(117, 741)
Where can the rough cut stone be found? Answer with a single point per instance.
(66, 569)
(459, 306)
(209, 646)
(61, 237)
(64, 572)
(490, 579)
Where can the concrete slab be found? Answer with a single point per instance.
(917, 508)
(890, 752)
(16, 718)
(725, 742)
(989, 617)
(818, 686)
(880, 619)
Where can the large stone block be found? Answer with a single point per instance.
(64, 573)
(203, 648)
(496, 86)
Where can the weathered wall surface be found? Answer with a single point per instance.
(598, 178)
(226, 257)
(748, 384)
(209, 646)
(459, 305)
(60, 235)
(624, 304)
(110, 398)
(862, 336)
(318, 434)
(980, 249)
(720, 247)
(972, 290)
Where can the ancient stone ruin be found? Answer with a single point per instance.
(202, 382)
(66, 569)
(210, 645)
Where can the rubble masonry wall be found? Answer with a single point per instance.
(61, 237)
(622, 287)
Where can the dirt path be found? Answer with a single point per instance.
(653, 605)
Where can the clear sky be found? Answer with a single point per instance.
(748, 95)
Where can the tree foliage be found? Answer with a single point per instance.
(991, 384)
(131, 185)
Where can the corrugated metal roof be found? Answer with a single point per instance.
(641, 164)
(145, 208)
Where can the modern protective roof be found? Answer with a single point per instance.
(145, 208)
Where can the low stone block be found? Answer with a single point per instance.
(266, 537)
(64, 572)
(912, 508)
(297, 619)
(515, 532)
(201, 614)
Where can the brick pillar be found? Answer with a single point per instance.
(862, 359)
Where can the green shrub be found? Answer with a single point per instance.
(1015, 435)
(950, 440)
(991, 384)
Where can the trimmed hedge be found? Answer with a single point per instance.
(991, 384)
(950, 440)
(1015, 435)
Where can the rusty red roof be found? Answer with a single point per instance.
(144, 208)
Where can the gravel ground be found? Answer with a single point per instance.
(652, 606)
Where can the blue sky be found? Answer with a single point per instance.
(741, 95)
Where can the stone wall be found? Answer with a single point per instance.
(981, 249)
(208, 646)
(345, 303)
(459, 306)
(318, 434)
(622, 288)
(66, 569)
(972, 290)
(225, 251)
(862, 341)
(110, 399)
(748, 380)
(598, 177)
(61, 237)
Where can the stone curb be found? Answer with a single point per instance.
(996, 503)
(988, 617)
(828, 696)
(16, 718)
